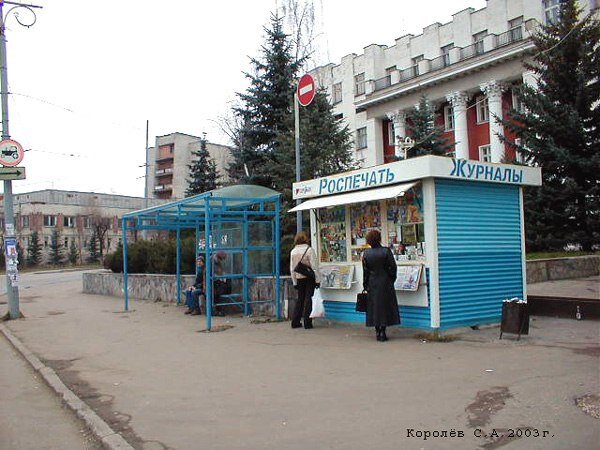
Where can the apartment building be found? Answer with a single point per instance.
(169, 161)
(74, 215)
(468, 69)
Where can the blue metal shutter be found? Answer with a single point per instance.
(479, 250)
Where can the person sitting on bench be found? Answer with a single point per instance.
(198, 290)
(221, 286)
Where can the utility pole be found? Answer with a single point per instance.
(12, 285)
(146, 193)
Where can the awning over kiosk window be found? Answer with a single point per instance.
(354, 197)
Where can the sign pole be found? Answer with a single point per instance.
(12, 275)
(12, 289)
(297, 141)
(305, 94)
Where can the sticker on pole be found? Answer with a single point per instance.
(306, 90)
(11, 153)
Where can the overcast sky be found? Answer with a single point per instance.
(86, 77)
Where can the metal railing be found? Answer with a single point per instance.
(442, 61)
(382, 83)
(471, 50)
(510, 36)
(409, 73)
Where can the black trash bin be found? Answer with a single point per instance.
(515, 318)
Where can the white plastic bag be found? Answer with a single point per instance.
(317, 305)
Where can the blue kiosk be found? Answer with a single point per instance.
(455, 228)
(242, 221)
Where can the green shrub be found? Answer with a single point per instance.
(157, 256)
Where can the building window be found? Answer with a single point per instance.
(361, 138)
(552, 11)
(483, 110)
(391, 134)
(337, 93)
(415, 62)
(485, 153)
(516, 102)
(359, 84)
(49, 221)
(25, 221)
(478, 41)
(69, 222)
(446, 53)
(448, 118)
(45, 241)
(87, 222)
(514, 28)
(66, 242)
(519, 155)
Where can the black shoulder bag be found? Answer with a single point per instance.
(304, 269)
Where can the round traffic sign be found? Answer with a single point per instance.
(306, 89)
(11, 153)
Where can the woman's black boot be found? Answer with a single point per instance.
(383, 335)
(378, 331)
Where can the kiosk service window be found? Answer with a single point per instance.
(343, 229)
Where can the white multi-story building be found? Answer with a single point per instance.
(169, 161)
(75, 215)
(468, 69)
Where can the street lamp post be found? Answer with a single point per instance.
(12, 289)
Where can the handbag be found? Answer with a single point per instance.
(304, 269)
(361, 301)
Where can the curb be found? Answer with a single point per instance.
(105, 434)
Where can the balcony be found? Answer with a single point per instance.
(382, 83)
(163, 172)
(163, 187)
(165, 157)
(456, 55)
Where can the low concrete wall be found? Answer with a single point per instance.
(154, 287)
(562, 268)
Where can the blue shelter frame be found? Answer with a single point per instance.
(243, 221)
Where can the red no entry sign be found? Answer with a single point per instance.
(306, 90)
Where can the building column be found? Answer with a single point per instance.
(398, 118)
(459, 100)
(375, 142)
(493, 91)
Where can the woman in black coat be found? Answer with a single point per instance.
(379, 274)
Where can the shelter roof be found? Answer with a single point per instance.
(229, 200)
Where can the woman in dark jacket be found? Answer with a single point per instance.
(379, 274)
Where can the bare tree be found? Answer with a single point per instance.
(300, 22)
(101, 225)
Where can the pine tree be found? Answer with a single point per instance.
(73, 254)
(559, 128)
(422, 129)
(203, 172)
(265, 108)
(94, 254)
(56, 254)
(325, 147)
(34, 250)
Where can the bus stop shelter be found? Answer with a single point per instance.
(242, 221)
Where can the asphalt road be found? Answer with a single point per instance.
(31, 415)
(159, 381)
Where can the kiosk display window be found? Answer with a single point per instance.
(363, 218)
(405, 227)
(333, 234)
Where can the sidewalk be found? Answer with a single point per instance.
(575, 288)
(31, 415)
(156, 378)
